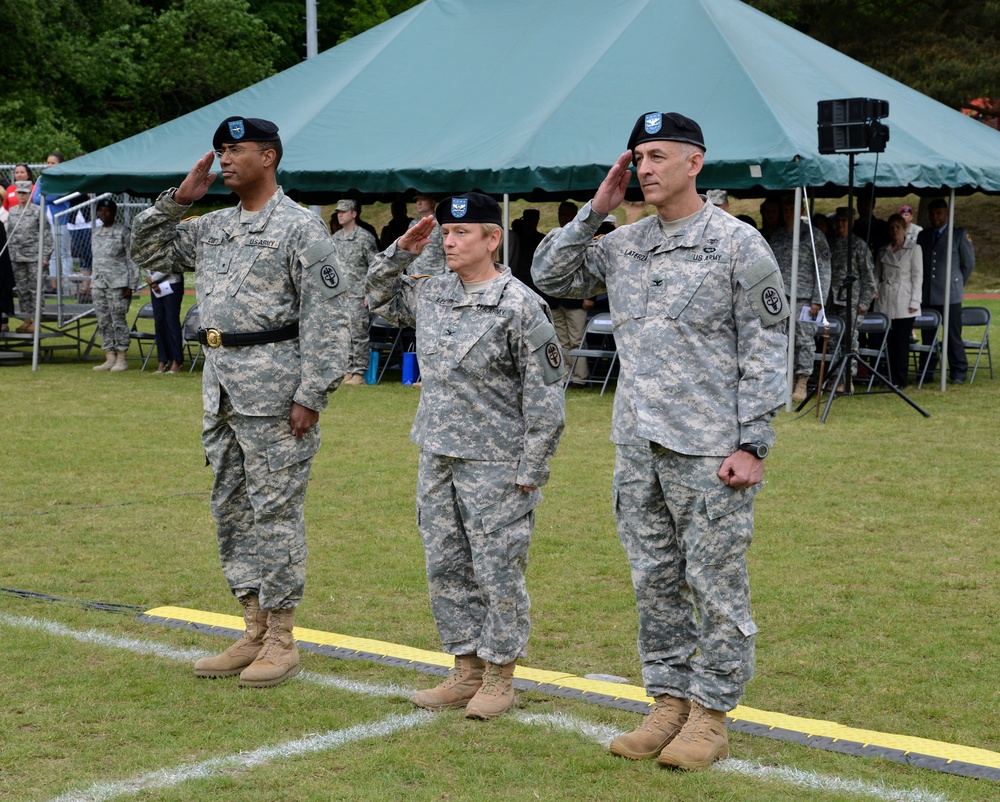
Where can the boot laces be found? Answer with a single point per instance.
(491, 681)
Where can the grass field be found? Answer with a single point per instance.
(874, 573)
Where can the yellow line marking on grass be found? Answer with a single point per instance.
(809, 727)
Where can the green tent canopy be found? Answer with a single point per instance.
(537, 99)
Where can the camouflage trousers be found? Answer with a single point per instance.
(857, 320)
(805, 340)
(112, 323)
(261, 475)
(476, 527)
(357, 360)
(26, 278)
(686, 536)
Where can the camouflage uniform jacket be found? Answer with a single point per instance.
(698, 320)
(863, 290)
(22, 234)
(275, 270)
(113, 265)
(355, 253)
(781, 244)
(489, 362)
(431, 261)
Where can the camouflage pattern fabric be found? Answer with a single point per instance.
(807, 290)
(355, 253)
(700, 324)
(686, 536)
(490, 416)
(863, 289)
(275, 269)
(476, 528)
(699, 321)
(431, 261)
(22, 245)
(112, 317)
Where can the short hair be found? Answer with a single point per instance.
(489, 228)
(275, 145)
(58, 156)
(938, 203)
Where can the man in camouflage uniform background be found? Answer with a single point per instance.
(699, 316)
(23, 244)
(355, 249)
(489, 419)
(114, 276)
(274, 306)
(809, 291)
(431, 260)
(862, 289)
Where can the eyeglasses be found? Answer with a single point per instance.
(238, 150)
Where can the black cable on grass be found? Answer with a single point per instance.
(104, 607)
(55, 510)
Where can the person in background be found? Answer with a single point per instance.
(699, 312)
(22, 172)
(933, 240)
(113, 278)
(61, 258)
(431, 260)
(396, 226)
(490, 416)
(899, 275)
(912, 229)
(355, 248)
(24, 243)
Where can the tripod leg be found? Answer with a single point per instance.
(895, 389)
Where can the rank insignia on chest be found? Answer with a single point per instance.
(553, 354)
(329, 275)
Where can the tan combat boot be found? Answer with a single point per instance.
(700, 742)
(110, 360)
(244, 651)
(121, 361)
(658, 729)
(279, 659)
(801, 390)
(496, 695)
(456, 691)
(26, 327)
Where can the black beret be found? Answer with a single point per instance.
(472, 207)
(244, 129)
(673, 127)
(106, 203)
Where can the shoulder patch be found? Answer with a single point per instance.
(316, 253)
(544, 345)
(765, 291)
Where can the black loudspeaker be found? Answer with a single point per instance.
(852, 125)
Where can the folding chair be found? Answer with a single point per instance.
(189, 333)
(137, 335)
(385, 340)
(598, 346)
(833, 349)
(874, 326)
(974, 317)
(928, 321)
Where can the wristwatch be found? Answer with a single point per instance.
(759, 450)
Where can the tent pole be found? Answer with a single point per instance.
(792, 291)
(506, 229)
(943, 360)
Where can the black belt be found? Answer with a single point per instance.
(213, 338)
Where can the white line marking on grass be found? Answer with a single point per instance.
(166, 778)
(603, 735)
(154, 649)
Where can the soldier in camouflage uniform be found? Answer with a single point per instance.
(699, 314)
(862, 267)
(355, 249)
(431, 260)
(114, 277)
(274, 306)
(489, 419)
(808, 291)
(22, 243)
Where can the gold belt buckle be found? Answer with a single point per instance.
(213, 337)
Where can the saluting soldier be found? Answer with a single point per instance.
(699, 314)
(490, 417)
(273, 302)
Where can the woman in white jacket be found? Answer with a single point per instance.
(899, 275)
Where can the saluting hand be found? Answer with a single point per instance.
(418, 236)
(197, 182)
(611, 192)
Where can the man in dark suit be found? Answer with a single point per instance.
(933, 241)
